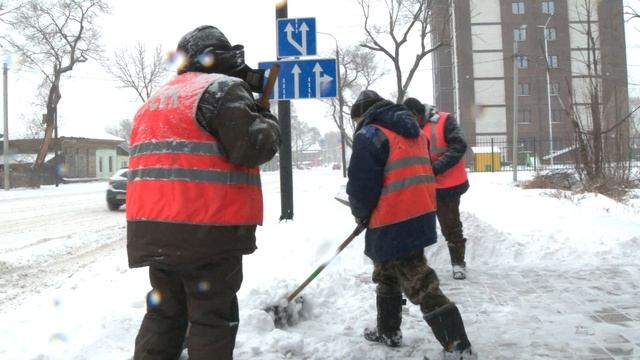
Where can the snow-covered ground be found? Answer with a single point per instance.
(551, 276)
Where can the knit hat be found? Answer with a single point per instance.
(207, 49)
(364, 101)
(416, 107)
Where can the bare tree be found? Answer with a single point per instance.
(53, 37)
(138, 69)
(631, 13)
(303, 136)
(358, 71)
(123, 129)
(405, 21)
(603, 146)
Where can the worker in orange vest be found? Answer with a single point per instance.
(447, 147)
(194, 197)
(391, 190)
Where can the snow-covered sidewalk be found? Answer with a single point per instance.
(551, 276)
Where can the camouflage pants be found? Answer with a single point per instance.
(448, 214)
(412, 276)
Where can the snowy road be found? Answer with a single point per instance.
(52, 233)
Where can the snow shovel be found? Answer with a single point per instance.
(286, 313)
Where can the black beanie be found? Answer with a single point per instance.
(416, 107)
(210, 40)
(364, 101)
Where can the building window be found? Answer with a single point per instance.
(523, 89)
(524, 117)
(550, 33)
(110, 164)
(519, 34)
(100, 164)
(554, 89)
(552, 60)
(522, 61)
(517, 7)
(548, 7)
(556, 116)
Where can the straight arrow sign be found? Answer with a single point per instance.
(305, 79)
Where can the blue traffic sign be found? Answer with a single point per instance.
(296, 37)
(304, 79)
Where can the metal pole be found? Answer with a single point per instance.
(7, 167)
(454, 69)
(340, 105)
(56, 142)
(546, 56)
(515, 112)
(284, 115)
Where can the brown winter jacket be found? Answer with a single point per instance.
(250, 136)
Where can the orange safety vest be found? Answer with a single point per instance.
(455, 175)
(408, 186)
(178, 172)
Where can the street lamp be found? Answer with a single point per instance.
(340, 104)
(546, 61)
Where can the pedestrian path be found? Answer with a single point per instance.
(589, 313)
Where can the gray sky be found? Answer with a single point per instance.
(91, 99)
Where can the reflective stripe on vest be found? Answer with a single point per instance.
(455, 175)
(178, 172)
(408, 186)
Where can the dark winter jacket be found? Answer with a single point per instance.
(456, 147)
(250, 136)
(366, 174)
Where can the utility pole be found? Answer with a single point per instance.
(340, 105)
(515, 112)
(5, 87)
(284, 115)
(546, 61)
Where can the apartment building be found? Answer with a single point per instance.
(544, 45)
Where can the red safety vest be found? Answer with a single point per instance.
(455, 175)
(178, 171)
(408, 187)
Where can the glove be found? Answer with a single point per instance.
(362, 222)
(263, 109)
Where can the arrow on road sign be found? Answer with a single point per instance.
(299, 79)
(296, 37)
(303, 29)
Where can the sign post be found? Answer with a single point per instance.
(298, 79)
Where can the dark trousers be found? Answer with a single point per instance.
(412, 276)
(448, 214)
(202, 296)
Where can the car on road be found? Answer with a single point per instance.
(117, 190)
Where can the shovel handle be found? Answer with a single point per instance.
(313, 275)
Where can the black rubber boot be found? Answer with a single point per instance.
(446, 324)
(457, 251)
(389, 319)
(459, 266)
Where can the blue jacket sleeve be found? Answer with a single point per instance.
(366, 170)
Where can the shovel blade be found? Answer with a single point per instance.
(286, 314)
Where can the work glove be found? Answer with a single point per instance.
(364, 222)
